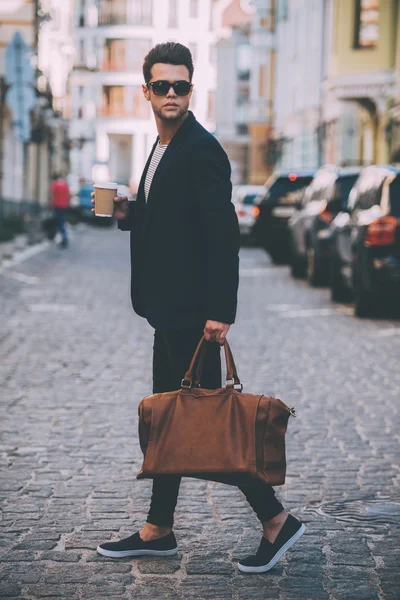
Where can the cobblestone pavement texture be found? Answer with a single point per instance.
(75, 361)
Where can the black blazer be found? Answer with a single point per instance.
(185, 239)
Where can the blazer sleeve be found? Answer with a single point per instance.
(213, 191)
(126, 224)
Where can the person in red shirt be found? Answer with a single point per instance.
(59, 202)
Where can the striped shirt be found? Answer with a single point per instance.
(155, 161)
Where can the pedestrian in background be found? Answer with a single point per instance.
(184, 273)
(59, 202)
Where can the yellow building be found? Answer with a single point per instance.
(361, 83)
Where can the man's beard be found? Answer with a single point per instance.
(176, 117)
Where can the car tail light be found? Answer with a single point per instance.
(326, 216)
(381, 232)
(240, 212)
(255, 211)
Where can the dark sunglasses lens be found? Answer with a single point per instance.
(161, 88)
(182, 88)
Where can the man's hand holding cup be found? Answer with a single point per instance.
(107, 203)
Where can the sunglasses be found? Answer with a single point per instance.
(162, 87)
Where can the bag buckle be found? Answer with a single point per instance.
(236, 386)
(186, 383)
(293, 411)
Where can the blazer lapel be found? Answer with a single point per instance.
(140, 193)
(170, 155)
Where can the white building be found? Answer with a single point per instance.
(232, 20)
(302, 41)
(112, 128)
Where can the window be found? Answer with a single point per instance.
(193, 50)
(243, 61)
(114, 101)
(282, 10)
(142, 12)
(82, 14)
(262, 82)
(125, 55)
(211, 106)
(173, 13)
(81, 52)
(120, 101)
(115, 55)
(141, 108)
(367, 23)
(194, 9)
(113, 12)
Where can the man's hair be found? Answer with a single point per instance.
(170, 53)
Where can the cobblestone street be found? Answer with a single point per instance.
(74, 363)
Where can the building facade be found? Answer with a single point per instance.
(112, 129)
(262, 149)
(26, 164)
(232, 25)
(301, 40)
(361, 86)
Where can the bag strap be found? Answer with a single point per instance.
(193, 374)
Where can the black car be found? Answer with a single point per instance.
(366, 243)
(323, 199)
(276, 208)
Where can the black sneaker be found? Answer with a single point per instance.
(135, 546)
(268, 554)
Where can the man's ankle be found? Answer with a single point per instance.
(274, 525)
(153, 532)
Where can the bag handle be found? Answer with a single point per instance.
(193, 374)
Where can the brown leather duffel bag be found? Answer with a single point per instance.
(221, 435)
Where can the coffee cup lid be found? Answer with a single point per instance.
(106, 185)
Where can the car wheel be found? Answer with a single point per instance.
(278, 257)
(298, 267)
(339, 291)
(365, 303)
(315, 275)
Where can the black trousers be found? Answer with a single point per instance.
(172, 354)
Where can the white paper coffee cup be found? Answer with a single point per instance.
(104, 194)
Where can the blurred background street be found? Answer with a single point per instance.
(304, 96)
(71, 384)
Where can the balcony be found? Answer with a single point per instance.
(126, 102)
(124, 54)
(126, 12)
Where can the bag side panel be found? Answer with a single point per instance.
(274, 442)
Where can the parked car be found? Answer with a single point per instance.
(324, 198)
(245, 199)
(366, 243)
(276, 208)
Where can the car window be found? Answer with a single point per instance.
(370, 197)
(321, 186)
(343, 187)
(249, 199)
(283, 186)
(369, 189)
(394, 197)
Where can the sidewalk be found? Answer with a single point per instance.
(74, 364)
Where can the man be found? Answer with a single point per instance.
(59, 201)
(184, 262)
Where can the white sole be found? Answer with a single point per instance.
(124, 553)
(277, 556)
